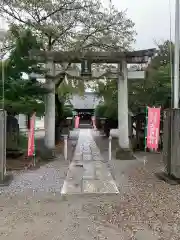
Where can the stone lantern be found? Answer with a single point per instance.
(86, 68)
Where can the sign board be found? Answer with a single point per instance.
(69, 118)
(153, 128)
(31, 136)
(136, 75)
(138, 60)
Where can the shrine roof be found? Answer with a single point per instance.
(88, 101)
(133, 57)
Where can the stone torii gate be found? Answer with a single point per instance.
(86, 59)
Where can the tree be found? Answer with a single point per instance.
(107, 90)
(154, 90)
(165, 55)
(74, 25)
(22, 95)
(71, 24)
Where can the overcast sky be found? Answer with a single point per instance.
(151, 18)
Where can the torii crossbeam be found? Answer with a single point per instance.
(133, 57)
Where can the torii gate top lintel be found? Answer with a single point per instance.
(133, 57)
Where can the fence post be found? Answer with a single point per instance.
(65, 147)
(110, 148)
(2, 145)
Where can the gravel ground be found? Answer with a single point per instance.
(56, 217)
(33, 208)
(48, 178)
(146, 203)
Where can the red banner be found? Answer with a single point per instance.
(93, 122)
(31, 136)
(153, 128)
(77, 122)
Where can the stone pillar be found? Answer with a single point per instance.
(49, 120)
(3, 118)
(124, 151)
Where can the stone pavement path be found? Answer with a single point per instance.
(87, 172)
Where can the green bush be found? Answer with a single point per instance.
(67, 111)
(107, 110)
(100, 110)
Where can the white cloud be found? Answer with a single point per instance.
(151, 18)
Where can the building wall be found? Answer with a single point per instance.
(22, 120)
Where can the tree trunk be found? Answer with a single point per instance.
(59, 111)
(28, 121)
(58, 119)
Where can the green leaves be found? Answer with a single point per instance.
(23, 95)
(71, 24)
(75, 25)
(70, 86)
(107, 90)
(154, 90)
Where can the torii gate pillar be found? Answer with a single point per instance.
(124, 152)
(49, 120)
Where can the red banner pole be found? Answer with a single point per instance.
(31, 137)
(146, 126)
(34, 154)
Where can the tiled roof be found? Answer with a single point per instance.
(89, 101)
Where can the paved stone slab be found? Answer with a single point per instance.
(87, 157)
(77, 156)
(87, 172)
(75, 173)
(71, 187)
(103, 175)
(97, 158)
(97, 186)
(87, 152)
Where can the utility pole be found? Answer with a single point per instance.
(176, 57)
(2, 120)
